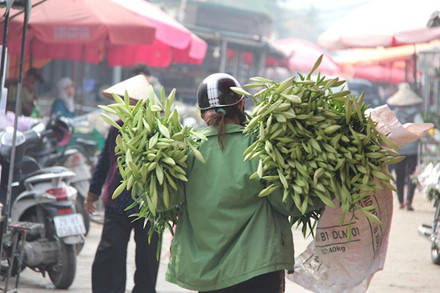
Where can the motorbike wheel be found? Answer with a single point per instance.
(435, 250)
(79, 206)
(435, 254)
(62, 274)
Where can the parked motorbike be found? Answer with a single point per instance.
(42, 195)
(78, 157)
(432, 233)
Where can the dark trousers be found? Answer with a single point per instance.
(404, 170)
(267, 283)
(109, 265)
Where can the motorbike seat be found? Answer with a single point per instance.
(28, 165)
(55, 169)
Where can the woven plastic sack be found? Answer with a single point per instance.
(336, 263)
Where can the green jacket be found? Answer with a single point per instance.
(226, 234)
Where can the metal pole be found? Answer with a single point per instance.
(261, 65)
(236, 62)
(426, 90)
(4, 223)
(435, 94)
(406, 71)
(415, 68)
(5, 42)
(17, 113)
(182, 9)
(223, 55)
(117, 74)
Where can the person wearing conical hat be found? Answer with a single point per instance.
(406, 105)
(109, 265)
(155, 83)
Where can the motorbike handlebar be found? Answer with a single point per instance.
(46, 132)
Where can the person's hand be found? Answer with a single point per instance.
(89, 203)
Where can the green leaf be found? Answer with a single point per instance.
(110, 121)
(315, 66)
(108, 109)
(169, 102)
(159, 174)
(118, 99)
(165, 132)
(197, 153)
(162, 95)
(198, 135)
(119, 190)
(152, 95)
(126, 98)
(166, 195)
(240, 91)
(371, 216)
(327, 201)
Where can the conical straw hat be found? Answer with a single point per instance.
(404, 97)
(137, 88)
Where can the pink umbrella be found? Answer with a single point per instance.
(303, 54)
(174, 43)
(79, 30)
(383, 23)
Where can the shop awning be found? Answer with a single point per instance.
(383, 23)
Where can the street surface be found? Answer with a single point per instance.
(408, 266)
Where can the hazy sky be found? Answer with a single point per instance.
(325, 4)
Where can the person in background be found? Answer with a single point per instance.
(64, 104)
(28, 92)
(386, 91)
(405, 105)
(228, 239)
(109, 265)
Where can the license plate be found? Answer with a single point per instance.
(69, 225)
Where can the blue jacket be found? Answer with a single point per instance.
(59, 107)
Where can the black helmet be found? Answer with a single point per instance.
(215, 91)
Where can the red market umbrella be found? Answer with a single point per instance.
(303, 54)
(80, 30)
(174, 43)
(383, 23)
